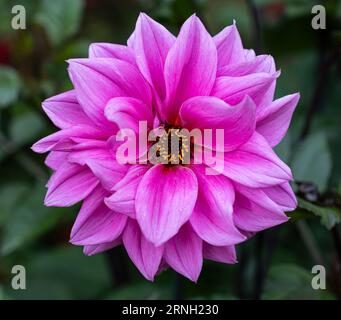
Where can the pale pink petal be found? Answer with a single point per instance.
(83, 155)
(65, 111)
(259, 197)
(123, 198)
(96, 223)
(111, 50)
(152, 42)
(89, 143)
(108, 171)
(70, 184)
(262, 63)
(274, 121)
(98, 248)
(55, 159)
(145, 255)
(251, 216)
(165, 200)
(190, 68)
(102, 163)
(233, 89)
(255, 164)
(283, 195)
(212, 215)
(63, 139)
(229, 46)
(131, 39)
(225, 254)
(98, 80)
(184, 253)
(249, 54)
(238, 122)
(127, 112)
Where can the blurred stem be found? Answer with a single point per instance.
(118, 266)
(266, 243)
(240, 283)
(325, 63)
(254, 12)
(337, 242)
(309, 241)
(178, 287)
(259, 275)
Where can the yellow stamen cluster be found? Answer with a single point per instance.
(173, 147)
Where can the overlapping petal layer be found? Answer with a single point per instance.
(166, 214)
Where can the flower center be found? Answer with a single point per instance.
(171, 147)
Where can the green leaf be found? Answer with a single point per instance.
(61, 19)
(64, 273)
(26, 127)
(29, 219)
(291, 282)
(329, 216)
(9, 86)
(312, 161)
(10, 195)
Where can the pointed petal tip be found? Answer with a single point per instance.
(37, 148)
(48, 202)
(33, 148)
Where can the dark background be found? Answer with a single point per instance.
(275, 264)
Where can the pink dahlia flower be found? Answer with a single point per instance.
(166, 214)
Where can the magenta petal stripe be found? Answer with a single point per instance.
(161, 209)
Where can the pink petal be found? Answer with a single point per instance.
(98, 248)
(283, 195)
(212, 216)
(70, 184)
(98, 80)
(123, 199)
(131, 40)
(63, 139)
(255, 164)
(249, 54)
(162, 208)
(258, 196)
(102, 163)
(238, 122)
(262, 63)
(108, 171)
(55, 159)
(143, 253)
(88, 143)
(152, 42)
(96, 223)
(190, 68)
(65, 111)
(111, 50)
(274, 121)
(127, 112)
(225, 254)
(233, 89)
(229, 46)
(184, 253)
(252, 216)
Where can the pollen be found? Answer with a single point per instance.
(172, 147)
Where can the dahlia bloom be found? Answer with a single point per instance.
(170, 215)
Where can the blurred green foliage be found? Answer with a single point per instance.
(33, 67)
